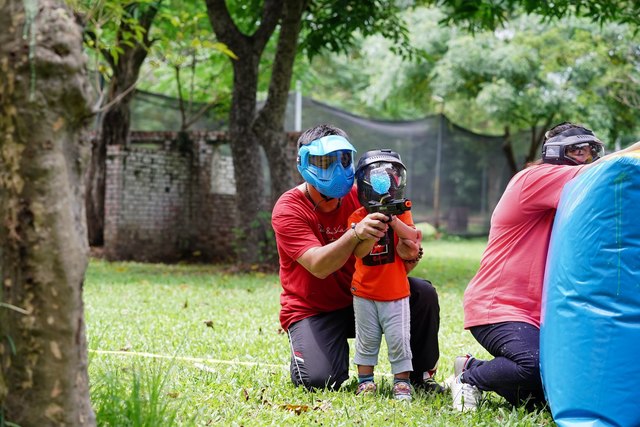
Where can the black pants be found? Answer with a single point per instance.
(514, 373)
(320, 351)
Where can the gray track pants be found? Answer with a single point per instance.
(373, 318)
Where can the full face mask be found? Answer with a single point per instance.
(381, 178)
(575, 146)
(327, 164)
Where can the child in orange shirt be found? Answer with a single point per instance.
(380, 287)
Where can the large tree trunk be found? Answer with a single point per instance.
(117, 119)
(43, 246)
(270, 121)
(244, 141)
(247, 163)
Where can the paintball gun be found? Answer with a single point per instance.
(389, 206)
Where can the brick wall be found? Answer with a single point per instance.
(164, 203)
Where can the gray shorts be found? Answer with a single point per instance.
(373, 318)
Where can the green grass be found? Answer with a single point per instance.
(194, 345)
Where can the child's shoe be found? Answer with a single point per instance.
(367, 387)
(402, 390)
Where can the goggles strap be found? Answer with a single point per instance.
(324, 198)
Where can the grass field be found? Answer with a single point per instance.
(194, 345)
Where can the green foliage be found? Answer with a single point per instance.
(526, 76)
(333, 25)
(110, 25)
(488, 14)
(187, 61)
(206, 346)
(371, 79)
(133, 395)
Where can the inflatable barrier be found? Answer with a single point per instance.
(590, 332)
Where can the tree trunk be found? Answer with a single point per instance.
(245, 142)
(270, 121)
(247, 163)
(117, 119)
(43, 248)
(114, 130)
(507, 149)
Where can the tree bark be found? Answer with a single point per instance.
(117, 120)
(245, 142)
(44, 106)
(507, 149)
(270, 121)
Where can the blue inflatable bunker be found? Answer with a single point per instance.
(590, 333)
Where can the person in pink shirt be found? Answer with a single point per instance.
(502, 301)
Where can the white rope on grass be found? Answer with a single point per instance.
(199, 362)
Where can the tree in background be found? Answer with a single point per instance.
(244, 139)
(315, 25)
(119, 30)
(521, 78)
(44, 105)
(488, 14)
(200, 75)
(373, 79)
(533, 74)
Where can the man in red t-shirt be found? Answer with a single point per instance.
(315, 246)
(502, 301)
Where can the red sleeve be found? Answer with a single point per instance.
(543, 185)
(293, 228)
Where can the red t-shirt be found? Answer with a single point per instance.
(381, 275)
(508, 285)
(298, 228)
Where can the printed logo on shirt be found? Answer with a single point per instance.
(331, 234)
(382, 253)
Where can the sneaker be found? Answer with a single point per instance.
(461, 363)
(429, 385)
(367, 387)
(402, 390)
(465, 396)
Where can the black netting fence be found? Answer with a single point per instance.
(455, 177)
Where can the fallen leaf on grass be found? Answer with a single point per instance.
(298, 409)
(323, 405)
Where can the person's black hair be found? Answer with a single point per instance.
(318, 132)
(559, 128)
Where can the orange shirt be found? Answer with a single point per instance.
(381, 275)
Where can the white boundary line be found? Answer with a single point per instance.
(197, 360)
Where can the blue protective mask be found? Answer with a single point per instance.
(327, 164)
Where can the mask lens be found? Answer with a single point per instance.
(578, 148)
(582, 153)
(345, 158)
(325, 162)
